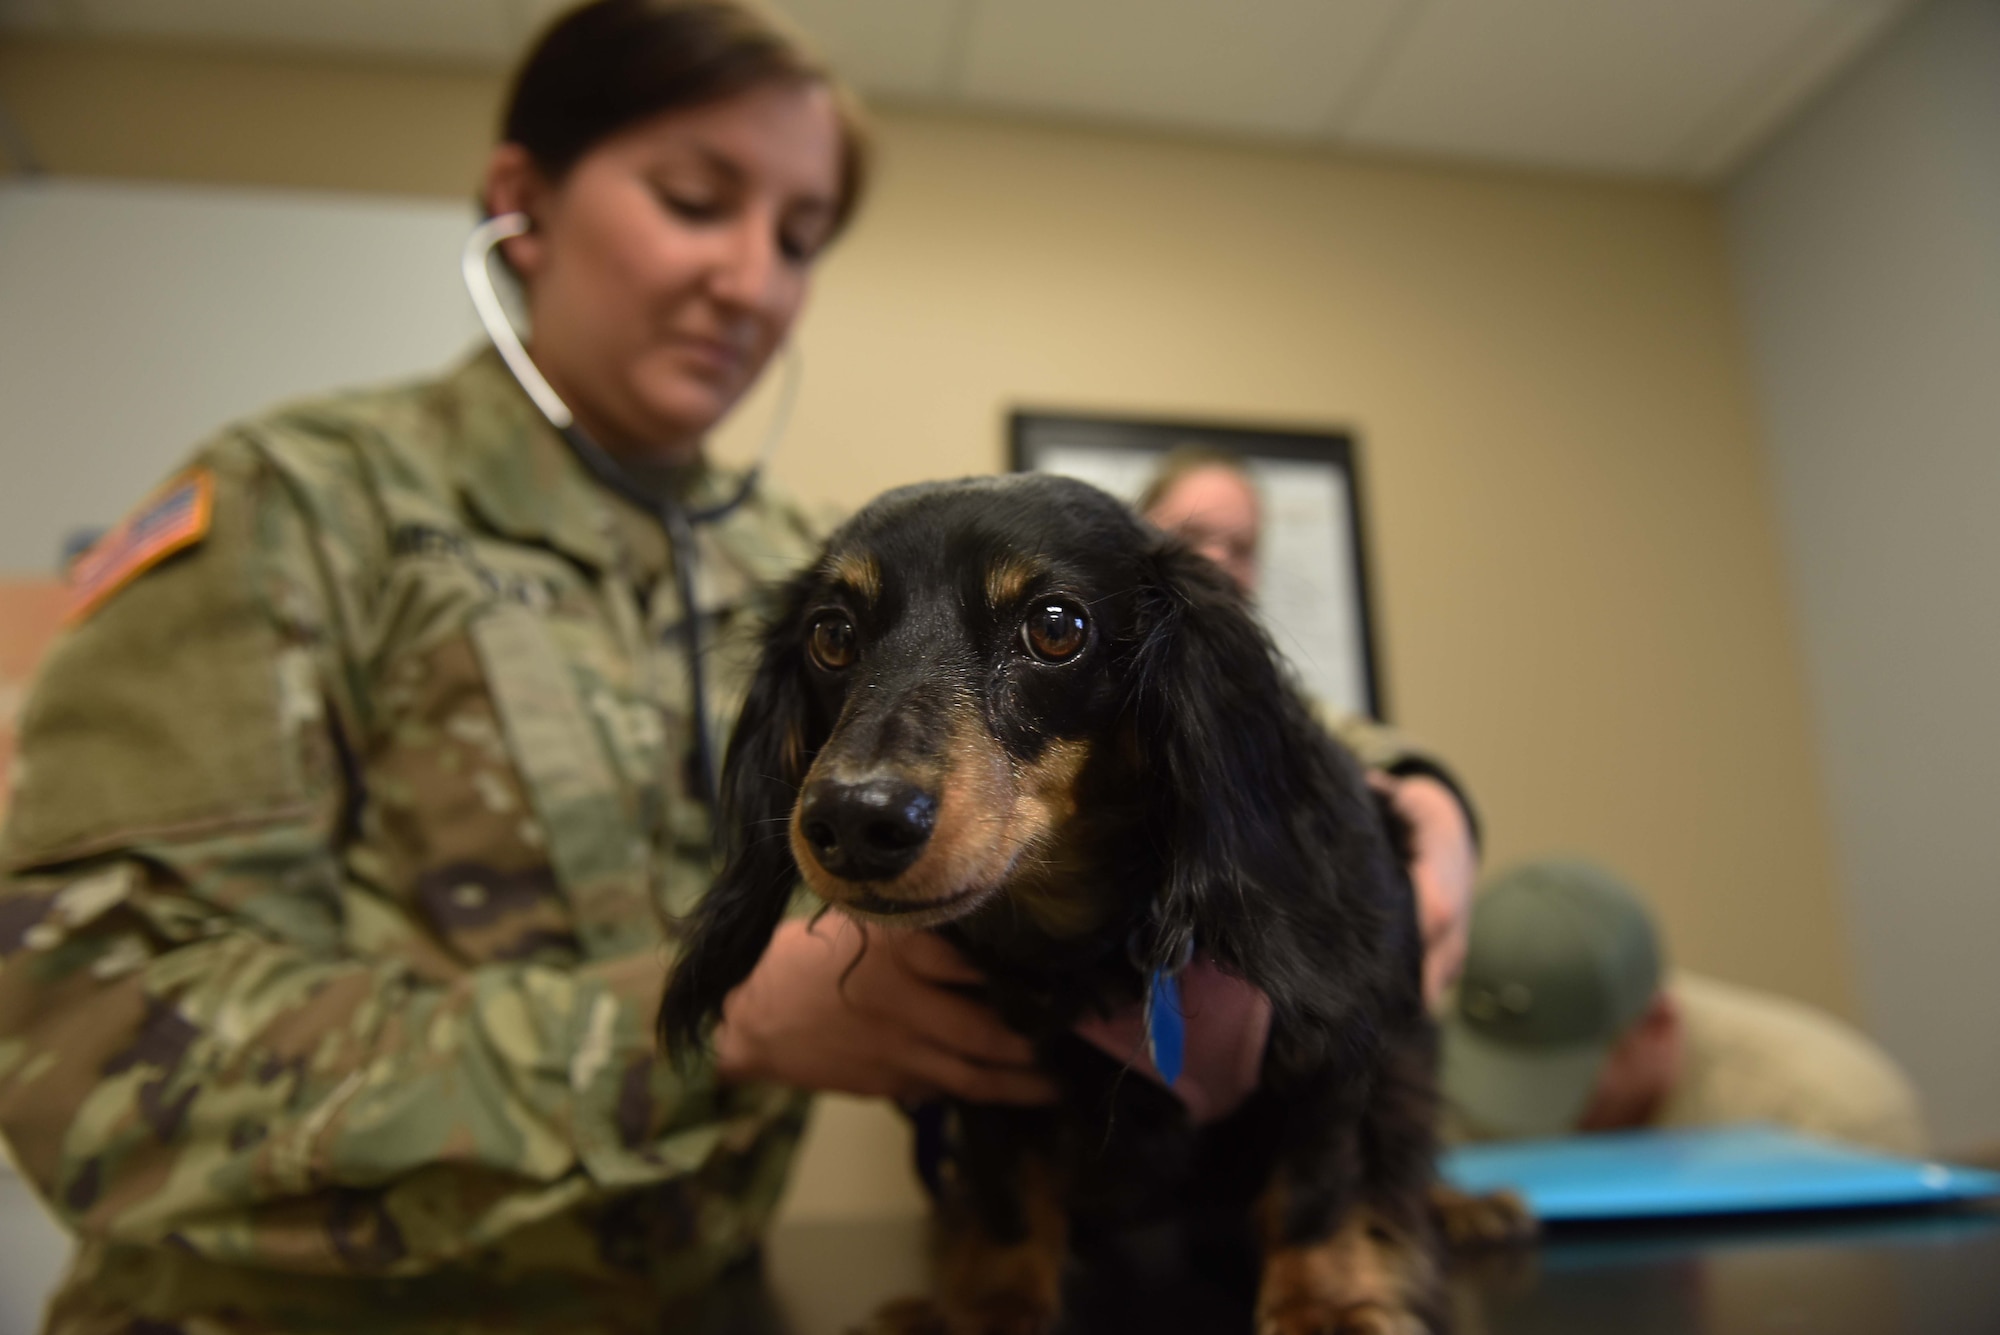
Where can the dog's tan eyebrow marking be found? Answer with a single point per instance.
(858, 571)
(1008, 578)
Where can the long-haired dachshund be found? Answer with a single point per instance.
(1007, 711)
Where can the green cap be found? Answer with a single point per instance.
(1563, 959)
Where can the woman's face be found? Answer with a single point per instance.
(667, 266)
(1215, 511)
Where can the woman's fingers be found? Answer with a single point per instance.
(911, 988)
(952, 1074)
(838, 1005)
(920, 954)
(962, 1026)
(929, 956)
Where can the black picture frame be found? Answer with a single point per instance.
(1316, 600)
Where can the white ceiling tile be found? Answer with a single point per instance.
(469, 30)
(1722, 142)
(1257, 66)
(1617, 85)
(1656, 87)
(892, 48)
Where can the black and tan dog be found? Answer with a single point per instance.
(1005, 710)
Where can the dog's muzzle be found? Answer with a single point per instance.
(866, 831)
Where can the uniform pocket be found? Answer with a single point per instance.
(585, 813)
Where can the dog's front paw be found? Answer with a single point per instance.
(993, 1288)
(1005, 1314)
(1472, 1223)
(993, 1314)
(1316, 1318)
(1364, 1280)
(905, 1316)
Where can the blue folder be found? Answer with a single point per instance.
(1707, 1171)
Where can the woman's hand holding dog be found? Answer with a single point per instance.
(1444, 865)
(872, 1011)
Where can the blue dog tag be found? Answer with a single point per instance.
(1166, 1028)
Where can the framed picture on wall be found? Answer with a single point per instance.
(1312, 558)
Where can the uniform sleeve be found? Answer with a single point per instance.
(199, 1046)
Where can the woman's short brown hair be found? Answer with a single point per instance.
(1186, 458)
(604, 66)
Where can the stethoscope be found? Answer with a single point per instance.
(676, 519)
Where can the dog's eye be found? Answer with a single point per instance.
(832, 641)
(1056, 632)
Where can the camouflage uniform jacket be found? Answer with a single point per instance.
(330, 900)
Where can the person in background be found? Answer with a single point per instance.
(1207, 497)
(1566, 1020)
(357, 796)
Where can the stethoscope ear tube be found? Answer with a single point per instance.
(677, 520)
(472, 262)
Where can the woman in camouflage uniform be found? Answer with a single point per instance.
(354, 797)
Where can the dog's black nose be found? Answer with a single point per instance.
(867, 831)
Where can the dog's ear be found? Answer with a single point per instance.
(1273, 853)
(775, 739)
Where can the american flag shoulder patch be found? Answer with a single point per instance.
(172, 521)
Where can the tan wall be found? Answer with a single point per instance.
(30, 612)
(1575, 559)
